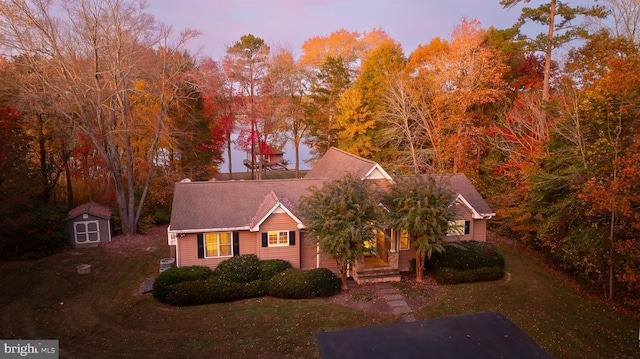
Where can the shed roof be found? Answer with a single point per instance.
(92, 208)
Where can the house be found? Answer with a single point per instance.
(212, 221)
(89, 224)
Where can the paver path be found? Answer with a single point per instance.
(396, 301)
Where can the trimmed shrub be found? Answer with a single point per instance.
(271, 267)
(324, 282)
(240, 269)
(212, 290)
(451, 276)
(172, 276)
(292, 283)
(465, 255)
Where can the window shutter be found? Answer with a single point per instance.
(236, 244)
(467, 227)
(200, 245)
(265, 239)
(292, 238)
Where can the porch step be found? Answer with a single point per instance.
(376, 275)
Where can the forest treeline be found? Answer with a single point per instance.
(100, 101)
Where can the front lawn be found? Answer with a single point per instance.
(566, 322)
(103, 314)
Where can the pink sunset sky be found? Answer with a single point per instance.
(291, 22)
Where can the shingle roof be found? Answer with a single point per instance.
(240, 205)
(232, 204)
(336, 163)
(461, 184)
(92, 208)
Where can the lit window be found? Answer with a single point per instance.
(218, 244)
(458, 228)
(404, 239)
(278, 238)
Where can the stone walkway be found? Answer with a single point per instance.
(396, 301)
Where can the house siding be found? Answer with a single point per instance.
(404, 258)
(187, 250)
(479, 230)
(309, 256)
(279, 222)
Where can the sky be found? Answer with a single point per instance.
(290, 23)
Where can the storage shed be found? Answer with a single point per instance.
(89, 224)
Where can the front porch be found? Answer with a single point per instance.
(375, 270)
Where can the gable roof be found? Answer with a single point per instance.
(336, 163)
(245, 205)
(92, 208)
(233, 205)
(466, 191)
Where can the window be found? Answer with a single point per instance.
(218, 244)
(404, 239)
(278, 238)
(87, 232)
(458, 228)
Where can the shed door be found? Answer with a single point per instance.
(87, 232)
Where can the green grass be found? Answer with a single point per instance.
(103, 314)
(565, 322)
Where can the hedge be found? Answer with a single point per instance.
(240, 269)
(324, 282)
(242, 277)
(213, 290)
(452, 276)
(162, 284)
(271, 267)
(292, 283)
(465, 255)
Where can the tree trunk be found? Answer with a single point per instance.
(296, 145)
(69, 187)
(419, 267)
(547, 58)
(343, 276)
(229, 155)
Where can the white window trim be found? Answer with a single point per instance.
(86, 232)
(278, 234)
(218, 242)
(458, 226)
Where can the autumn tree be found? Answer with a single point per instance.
(422, 209)
(454, 82)
(558, 16)
(246, 65)
(53, 137)
(623, 20)
(351, 46)
(359, 121)
(341, 217)
(402, 131)
(206, 137)
(333, 63)
(326, 87)
(99, 56)
(288, 99)
(611, 110)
